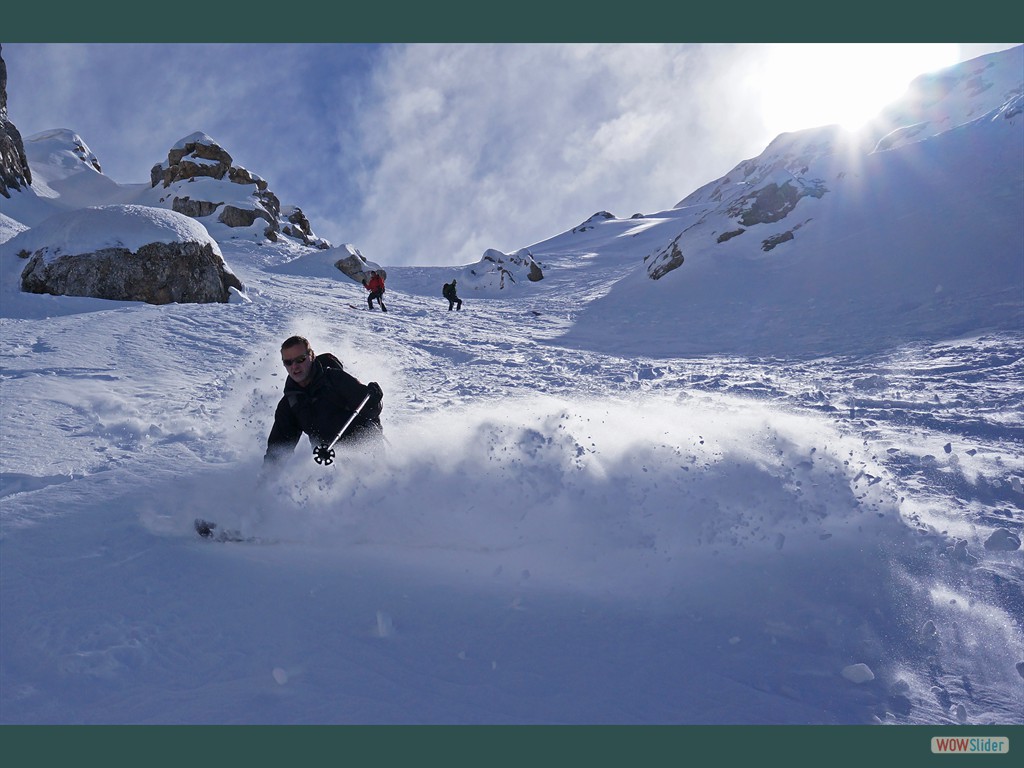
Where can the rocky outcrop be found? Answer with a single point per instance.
(198, 157)
(508, 267)
(772, 202)
(15, 173)
(298, 225)
(664, 261)
(783, 237)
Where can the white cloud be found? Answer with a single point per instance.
(528, 140)
(417, 153)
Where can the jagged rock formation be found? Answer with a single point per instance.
(198, 157)
(14, 169)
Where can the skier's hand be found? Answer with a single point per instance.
(375, 392)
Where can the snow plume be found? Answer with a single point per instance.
(761, 524)
(573, 491)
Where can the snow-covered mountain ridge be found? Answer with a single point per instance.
(856, 210)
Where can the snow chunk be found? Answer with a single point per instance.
(929, 636)
(1002, 540)
(858, 673)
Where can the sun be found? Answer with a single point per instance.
(806, 85)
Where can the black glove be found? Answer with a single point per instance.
(375, 392)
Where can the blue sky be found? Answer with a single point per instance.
(431, 153)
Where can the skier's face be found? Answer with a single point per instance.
(298, 362)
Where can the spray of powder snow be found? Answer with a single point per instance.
(590, 492)
(725, 509)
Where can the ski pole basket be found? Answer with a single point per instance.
(324, 454)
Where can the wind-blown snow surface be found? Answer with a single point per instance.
(553, 536)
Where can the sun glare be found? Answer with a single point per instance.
(813, 84)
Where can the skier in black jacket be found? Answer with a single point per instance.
(319, 398)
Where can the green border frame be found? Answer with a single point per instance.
(531, 21)
(484, 746)
(119, 21)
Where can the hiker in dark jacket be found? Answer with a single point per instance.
(448, 291)
(319, 398)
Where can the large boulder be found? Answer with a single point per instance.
(355, 265)
(125, 253)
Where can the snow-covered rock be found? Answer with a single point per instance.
(124, 252)
(234, 196)
(502, 271)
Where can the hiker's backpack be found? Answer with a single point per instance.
(329, 360)
(446, 290)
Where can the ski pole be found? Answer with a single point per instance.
(324, 454)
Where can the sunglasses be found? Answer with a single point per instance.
(300, 359)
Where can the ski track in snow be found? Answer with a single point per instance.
(741, 513)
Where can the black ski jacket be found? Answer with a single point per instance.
(320, 410)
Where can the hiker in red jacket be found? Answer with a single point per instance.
(375, 285)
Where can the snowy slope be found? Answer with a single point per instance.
(605, 499)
